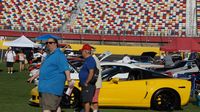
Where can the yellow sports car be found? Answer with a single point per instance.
(127, 85)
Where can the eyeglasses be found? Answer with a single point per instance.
(50, 42)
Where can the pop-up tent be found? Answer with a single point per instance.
(47, 36)
(21, 42)
(182, 45)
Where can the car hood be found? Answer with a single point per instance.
(104, 55)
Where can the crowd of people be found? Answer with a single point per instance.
(23, 57)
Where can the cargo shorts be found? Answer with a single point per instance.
(49, 101)
(87, 93)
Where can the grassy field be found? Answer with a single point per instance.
(15, 93)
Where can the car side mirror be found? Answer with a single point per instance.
(115, 80)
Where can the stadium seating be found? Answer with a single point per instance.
(35, 15)
(198, 16)
(124, 17)
(138, 17)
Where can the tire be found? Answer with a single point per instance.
(72, 101)
(165, 99)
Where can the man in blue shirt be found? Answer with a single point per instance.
(86, 74)
(53, 73)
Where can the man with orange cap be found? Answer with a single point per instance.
(86, 75)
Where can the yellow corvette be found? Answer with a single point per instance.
(127, 85)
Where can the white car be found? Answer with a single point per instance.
(183, 69)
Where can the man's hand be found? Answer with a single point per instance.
(30, 79)
(85, 84)
(71, 83)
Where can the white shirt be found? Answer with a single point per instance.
(10, 56)
(99, 79)
(22, 56)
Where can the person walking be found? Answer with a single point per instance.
(22, 58)
(53, 73)
(10, 59)
(85, 76)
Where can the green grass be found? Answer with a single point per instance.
(15, 93)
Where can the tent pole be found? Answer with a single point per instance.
(2, 50)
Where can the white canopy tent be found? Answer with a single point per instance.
(22, 42)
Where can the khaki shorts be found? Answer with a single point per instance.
(49, 101)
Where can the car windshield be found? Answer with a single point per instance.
(139, 74)
(114, 70)
(108, 72)
(125, 73)
(180, 64)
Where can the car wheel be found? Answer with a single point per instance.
(165, 99)
(72, 101)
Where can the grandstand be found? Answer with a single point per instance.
(139, 17)
(35, 15)
(198, 16)
(104, 20)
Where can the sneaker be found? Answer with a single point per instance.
(8, 72)
(11, 72)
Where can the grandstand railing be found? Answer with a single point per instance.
(109, 32)
(94, 37)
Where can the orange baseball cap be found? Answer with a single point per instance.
(86, 47)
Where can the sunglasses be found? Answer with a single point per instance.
(50, 42)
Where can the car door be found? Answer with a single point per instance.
(123, 92)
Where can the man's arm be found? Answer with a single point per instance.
(33, 77)
(91, 73)
(69, 80)
(67, 73)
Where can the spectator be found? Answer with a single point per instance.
(52, 76)
(29, 55)
(10, 59)
(37, 56)
(193, 56)
(98, 84)
(162, 56)
(44, 54)
(168, 62)
(85, 75)
(22, 58)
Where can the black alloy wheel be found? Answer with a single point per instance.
(165, 100)
(72, 101)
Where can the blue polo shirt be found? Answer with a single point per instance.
(52, 73)
(84, 72)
